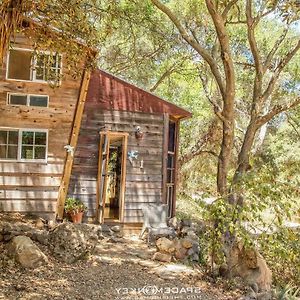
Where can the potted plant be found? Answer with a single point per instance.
(75, 209)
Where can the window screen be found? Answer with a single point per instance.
(19, 64)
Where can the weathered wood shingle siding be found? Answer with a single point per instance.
(28, 186)
(142, 185)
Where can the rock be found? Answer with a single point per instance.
(194, 257)
(180, 253)
(251, 267)
(186, 230)
(175, 223)
(42, 237)
(40, 223)
(26, 252)
(116, 228)
(264, 296)
(106, 230)
(186, 222)
(1, 237)
(70, 242)
(51, 224)
(186, 243)
(164, 257)
(165, 245)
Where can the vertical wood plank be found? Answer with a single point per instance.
(63, 189)
(99, 176)
(123, 184)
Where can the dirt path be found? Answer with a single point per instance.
(117, 270)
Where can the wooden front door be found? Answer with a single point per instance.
(111, 177)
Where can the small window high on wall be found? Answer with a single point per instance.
(28, 66)
(28, 100)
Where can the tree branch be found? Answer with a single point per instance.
(193, 43)
(228, 7)
(277, 109)
(254, 49)
(271, 54)
(278, 71)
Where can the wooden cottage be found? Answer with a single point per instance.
(127, 150)
(96, 138)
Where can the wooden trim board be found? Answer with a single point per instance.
(63, 189)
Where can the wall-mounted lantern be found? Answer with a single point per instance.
(139, 134)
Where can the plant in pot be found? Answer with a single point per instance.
(75, 209)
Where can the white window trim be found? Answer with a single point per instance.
(19, 159)
(27, 99)
(32, 70)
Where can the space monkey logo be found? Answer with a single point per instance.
(154, 292)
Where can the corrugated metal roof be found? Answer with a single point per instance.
(116, 94)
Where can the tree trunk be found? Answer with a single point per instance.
(225, 153)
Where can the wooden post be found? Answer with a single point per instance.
(64, 185)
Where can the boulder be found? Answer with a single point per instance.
(250, 266)
(163, 257)
(26, 252)
(70, 242)
(180, 251)
(165, 245)
(175, 223)
(40, 223)
(187, 243)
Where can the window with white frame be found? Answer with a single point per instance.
(28, 99)
(23, 144)
(30, 66)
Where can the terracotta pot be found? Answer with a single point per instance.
(76, 217)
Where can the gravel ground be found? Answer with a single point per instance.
(119, 269)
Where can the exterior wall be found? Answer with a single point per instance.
(28, 186)
(142, 185)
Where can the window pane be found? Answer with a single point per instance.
(3, 137)
(27, 152)
(27, 137)
(19, 64)
(12, 152)
(39, 101)
(39, 75)
(40, 138)
(13, 137)
(170, 161)
(40, 152)
(18, 99)
(172, 128)
(2, 151)
(170, 176)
